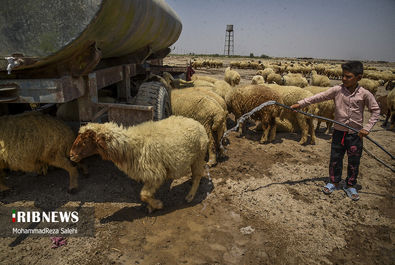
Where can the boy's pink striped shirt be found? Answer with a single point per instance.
(349, 107)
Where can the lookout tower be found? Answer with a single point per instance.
(229, 41)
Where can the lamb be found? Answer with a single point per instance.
(297, 121)
(319, 80)
(232, 77)
(325, 109)
(245, 99)
(294, 80)
(150, 152)
(205, 110)
(31, 142)
(391, 109)
(371, 85)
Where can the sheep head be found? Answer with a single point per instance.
(86, 144)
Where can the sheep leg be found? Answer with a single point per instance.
(312, 131)
(220, 132)
(328, 126)
(197, 173)
(63, 162)
(242, 128)
(387, 118)
(318, 125)
(258, 127)
(273, 129)
(147, 196)
(212, 157)
(265, 134)
(3, 187)
(303, 128)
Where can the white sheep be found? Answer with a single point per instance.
(319, 80)
(31, 142)
(371, 85)
(232, 77)
(205, 110)
(150, 152)
(294, 80)
(274, 78)
(208, 91)
(222, 88)
(257, 80)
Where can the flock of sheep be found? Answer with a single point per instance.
(171, 148)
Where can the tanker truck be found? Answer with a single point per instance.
(54, 52)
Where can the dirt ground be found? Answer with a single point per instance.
(262, 204)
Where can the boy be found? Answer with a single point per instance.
(350, 100)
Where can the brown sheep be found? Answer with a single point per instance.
(245, 99)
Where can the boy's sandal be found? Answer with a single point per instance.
(329, 188)
(352, 193)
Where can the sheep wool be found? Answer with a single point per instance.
(325, 109)
(204, 77)
(371, 85)
(273, 78)
(31, 142)
(295, 80)
(245, 99)
(222, 88)
(257, 80)
(299, 122)
(319, 80)
(205, 110)
(232, 77)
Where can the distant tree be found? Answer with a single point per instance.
(252, 55)
(264, 56)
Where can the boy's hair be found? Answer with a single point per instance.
(355, 67)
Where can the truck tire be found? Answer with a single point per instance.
(154, 94)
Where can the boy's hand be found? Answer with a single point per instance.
(362, 133)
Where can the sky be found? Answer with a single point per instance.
(327, 29)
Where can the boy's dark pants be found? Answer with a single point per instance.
(342, 142)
